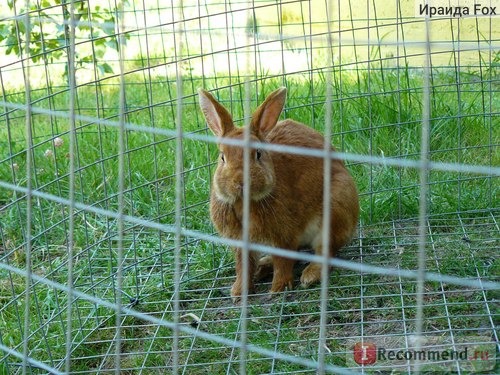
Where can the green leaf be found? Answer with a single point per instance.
(36, 38)
(97, 16)
(112, 44)
(12, 42)
(22, 27)
(99, 53)
(100, 42)
(45, 44)
(87, 59)
(105, 68)
(60, 28)
(107, 28)
(4, 32)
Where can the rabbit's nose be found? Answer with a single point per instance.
(238, 187)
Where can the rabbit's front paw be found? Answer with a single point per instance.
(237, 290)
(281, 283)
(311, 274)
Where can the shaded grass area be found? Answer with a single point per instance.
(374, 114)
(359, 304)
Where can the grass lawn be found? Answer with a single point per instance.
(375, 113)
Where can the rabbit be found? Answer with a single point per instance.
(286, 192)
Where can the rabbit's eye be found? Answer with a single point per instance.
(222, 157)
(258, 154)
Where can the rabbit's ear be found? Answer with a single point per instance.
(266, 116)
(218, 118)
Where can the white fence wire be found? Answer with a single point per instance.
(93, 316)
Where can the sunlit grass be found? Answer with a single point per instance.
(378, 115)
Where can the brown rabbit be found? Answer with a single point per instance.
(286, 191)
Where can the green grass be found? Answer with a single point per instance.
(379, 114)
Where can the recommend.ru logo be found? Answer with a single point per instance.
(436, 353)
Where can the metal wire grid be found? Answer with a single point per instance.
(360, 304)
(356, 307)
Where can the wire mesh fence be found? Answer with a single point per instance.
(108, 259)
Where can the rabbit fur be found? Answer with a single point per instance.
(286, 192)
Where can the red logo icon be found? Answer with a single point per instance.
(365, 353)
